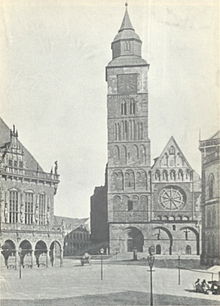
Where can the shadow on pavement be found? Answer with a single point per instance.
(120, 298)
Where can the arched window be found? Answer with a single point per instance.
(141, 130)
(29, 208)
(142, 154)
(172, 150)
(116, 153)
(158, 249)
(42, 209)
(188, 250)
(127, 45)
(123, 108)
(165, 175)
(115, 132)
(165, 159)
(126, 130)
(129, 179)
(13, 206)
(211, 186)
(180, 174)
(172, 175)
(119, 131)
(157, 175)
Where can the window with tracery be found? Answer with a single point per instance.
(13, 206)
(42, 209)
(211, 186)
(29, 208)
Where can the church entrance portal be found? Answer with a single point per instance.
(135, 240)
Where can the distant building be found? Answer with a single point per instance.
(77, 242)
(99, 217)
(210, 150)
(76, 232)
(27, 205)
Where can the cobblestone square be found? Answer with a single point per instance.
(74, 284)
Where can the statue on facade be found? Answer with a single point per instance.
(6, 213)
(48, 213)
(55, 167)
(36, 215)
(22, 213)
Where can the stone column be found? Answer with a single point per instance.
(17, 259)
(47, 258)
(61, 257)
(32, 258)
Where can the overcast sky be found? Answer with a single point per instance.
(52, 74)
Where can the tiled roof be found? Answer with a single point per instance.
(69, 223)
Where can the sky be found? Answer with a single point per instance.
(52, 74)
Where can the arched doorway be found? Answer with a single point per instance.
(165, 238)
(191, 234)
(56, 256)
(158, 249)
(9, 251)
(135, 240)
(41, 253)
(26, 253)
(188, 250)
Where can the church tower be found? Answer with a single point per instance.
(128, 141)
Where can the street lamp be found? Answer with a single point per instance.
(178, 268)
(101, 252)
(19, 253)
(150, 260)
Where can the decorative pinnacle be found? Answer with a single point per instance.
(126, 4)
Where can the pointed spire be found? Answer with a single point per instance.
(126, 23)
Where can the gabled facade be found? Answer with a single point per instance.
(176, 187)
(27, 203)
(176, 202)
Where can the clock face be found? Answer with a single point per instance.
(127, 83)
(172, 198)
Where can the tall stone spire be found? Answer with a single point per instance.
(126, 46)
(126, 23)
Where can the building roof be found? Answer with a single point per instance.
(129, 60)
(126, 22)
(126, 30)
(216, 135)
(171, 142)
(68, 223)
(30, 162)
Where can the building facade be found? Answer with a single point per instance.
(158, 205)
(77, 242)
(99, 216)
(210, 151)
(27, 205)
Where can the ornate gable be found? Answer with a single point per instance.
(172, 165)
(12, 152)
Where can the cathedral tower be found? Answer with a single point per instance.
(128, 142)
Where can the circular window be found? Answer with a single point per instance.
(172, 198)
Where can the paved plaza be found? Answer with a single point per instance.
(122, 285)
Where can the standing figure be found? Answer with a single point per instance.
(6, 212)
(56, 167)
